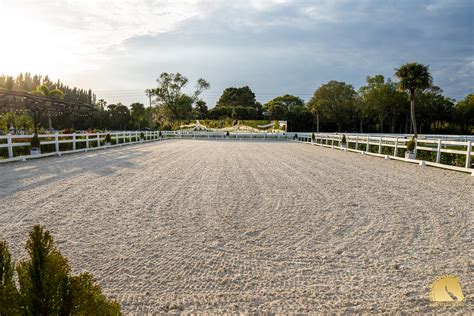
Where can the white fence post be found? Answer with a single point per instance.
(395, 150)
(438, 152)
(380, 145)
(123, 137)
(56, 142)
(74, 141)
(10, 145)
(98, 139)
(87, 140)
(468, 154)
(368, 141)
(357, 142)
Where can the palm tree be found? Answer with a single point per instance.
(44, 90)
(314, 108)
(413, 77)
(149, 94)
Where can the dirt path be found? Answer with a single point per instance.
(248, 226)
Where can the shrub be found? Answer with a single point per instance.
(9, 297)
(142, 135)
(68, 131)
(108, 138)
(313, 137)
(35, 141)
(343, 140)
(160, 134)
(411, 144)
(45, 285)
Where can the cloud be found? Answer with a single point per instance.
(275, 47)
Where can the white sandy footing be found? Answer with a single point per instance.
(248, 226)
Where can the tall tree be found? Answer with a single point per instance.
(200, 109)
(234, 97)
(169, 94)
(464, 114)
(314, 107)
(433, 111)
(138, 114)
(336, 100)
(45, 91)
(278, 107)
(414, 77)
(382, 98)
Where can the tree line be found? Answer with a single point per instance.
(411, 105)
(27, 83)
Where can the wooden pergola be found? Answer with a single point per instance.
(23, 102)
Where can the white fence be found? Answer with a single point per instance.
(58, 144)
(387, 146)
(70, 143)
(390, 147)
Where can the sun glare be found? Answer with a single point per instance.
(30, 44)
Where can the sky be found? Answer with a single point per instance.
(119, 48)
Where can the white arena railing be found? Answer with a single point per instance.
(388, 146)
(77, 142)
(83, 142)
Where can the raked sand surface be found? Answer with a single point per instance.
(248, 226)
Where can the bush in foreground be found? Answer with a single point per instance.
(45, 285)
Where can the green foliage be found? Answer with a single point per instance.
(278, 107)
(35, 141)
(343, 139)
(313, 137)
(88, 299)
(200, 110)
(237, 97)
(45, 284)
(9, 297)
(256, 123)
(27, 82)
(411, 144)
(142, 135)
(170, 96)
(413, 77)
(45, 91)
(137, 114)
(381, 100)
(464, 114)
(119, 116)
(336, 100)
(43, 278)
(108, 138)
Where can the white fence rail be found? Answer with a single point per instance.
(70, 143)
(446, 151)
(391, 147)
